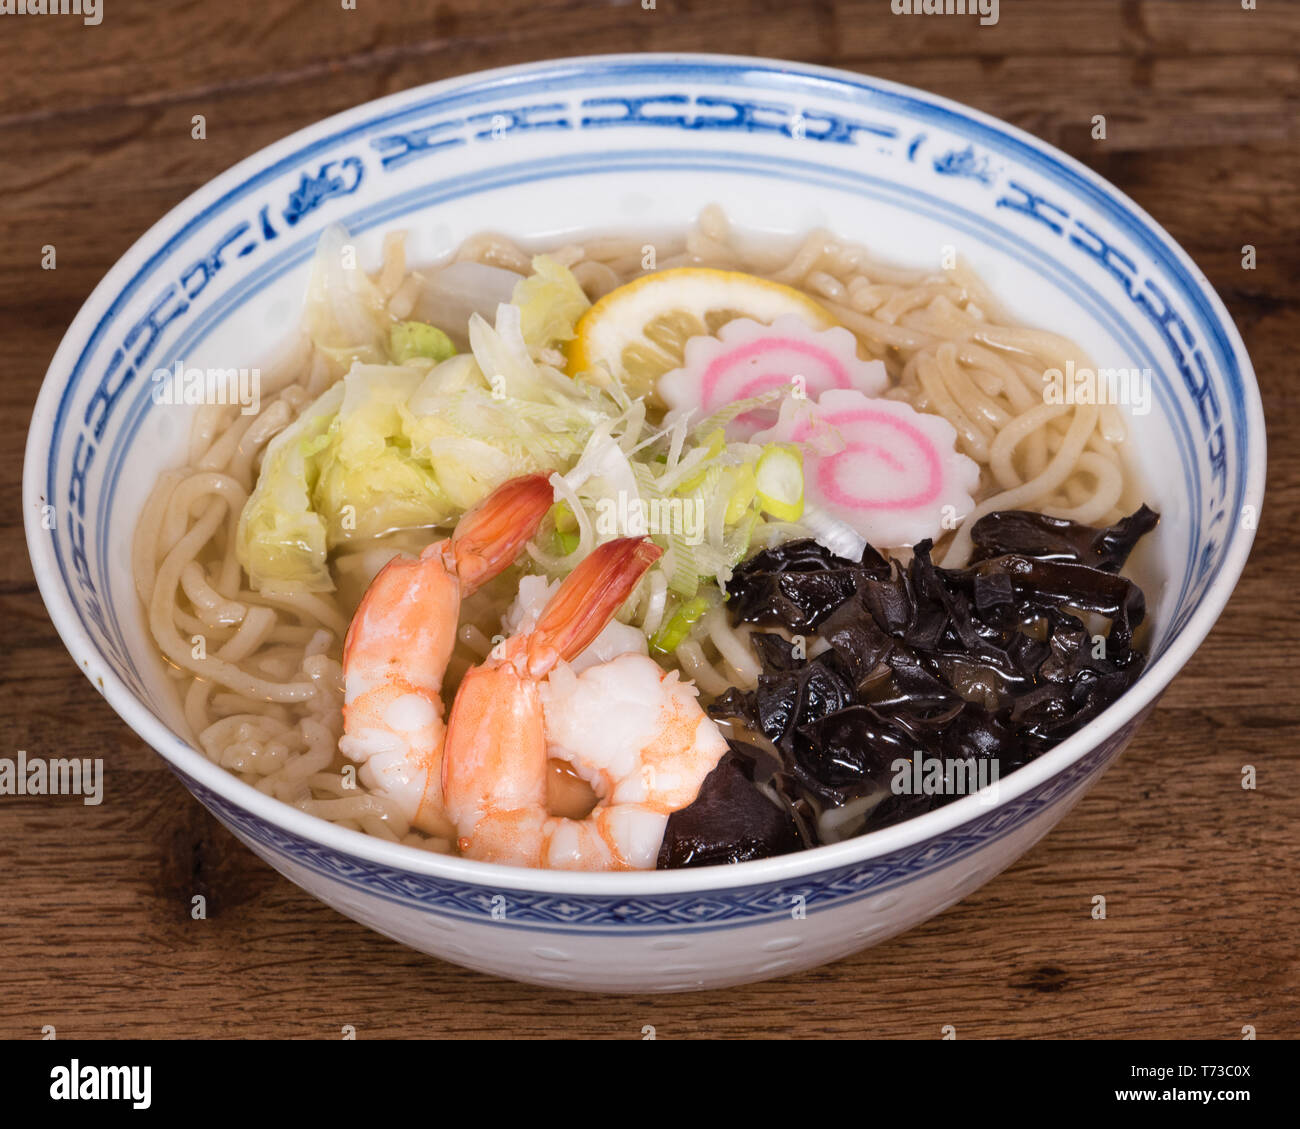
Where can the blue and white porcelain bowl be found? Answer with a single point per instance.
(643, 142)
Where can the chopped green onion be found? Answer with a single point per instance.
(714, 445)
(742, 484)
(780, 481)
(737, 540)
(408, 339)
(674, 632)
(682, 567)
(563, 518)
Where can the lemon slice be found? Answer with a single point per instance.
(639, 331)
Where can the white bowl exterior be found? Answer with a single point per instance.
(641, 143)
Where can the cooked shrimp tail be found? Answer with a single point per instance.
(587, 600)
(491, 536)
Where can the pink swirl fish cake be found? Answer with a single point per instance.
(747, 359)
(894, 474)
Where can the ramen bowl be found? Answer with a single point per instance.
(641, 144)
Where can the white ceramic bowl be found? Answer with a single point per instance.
(642, 142)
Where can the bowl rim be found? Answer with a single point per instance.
(192, 763)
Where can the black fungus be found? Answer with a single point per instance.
(774, 651)
(1056, 539)
(848, 753)
(990, 665)
(730, 821)
(797, 584)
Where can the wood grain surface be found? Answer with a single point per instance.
(1201, 876)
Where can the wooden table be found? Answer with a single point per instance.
(1200, 876)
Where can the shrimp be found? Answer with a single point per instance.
(400, 641)
(635, 732)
